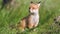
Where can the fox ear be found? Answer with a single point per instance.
(39, 3)
(31, 2)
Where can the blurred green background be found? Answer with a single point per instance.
(49, 9)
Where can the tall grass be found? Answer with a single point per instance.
(49, 9)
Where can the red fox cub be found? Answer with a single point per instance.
(32, 19)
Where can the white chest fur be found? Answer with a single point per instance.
(35, 17)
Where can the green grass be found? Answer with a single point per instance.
(49, 9)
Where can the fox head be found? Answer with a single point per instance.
(34, 7)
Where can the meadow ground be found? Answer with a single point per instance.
(49, 9)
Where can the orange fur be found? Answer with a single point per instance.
(34, 6)
(32, 19)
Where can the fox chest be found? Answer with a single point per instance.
(35, 18)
